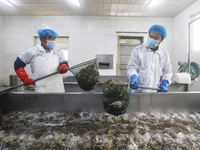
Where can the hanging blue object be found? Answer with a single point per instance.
(194, 70)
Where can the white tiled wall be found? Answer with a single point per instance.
(1, 53)
(87, 35)
(180, 31)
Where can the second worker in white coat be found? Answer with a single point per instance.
(149, 64)
(44, 58)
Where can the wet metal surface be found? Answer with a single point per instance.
(92, 102)
(77, 120)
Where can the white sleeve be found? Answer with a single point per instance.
(27, 56)
(61, 56)
(133, 64)
(167, 70)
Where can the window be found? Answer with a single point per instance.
(61, 42)
(195, 35)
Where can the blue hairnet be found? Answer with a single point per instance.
(47, 33)
(159, 30)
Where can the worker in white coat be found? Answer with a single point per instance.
(149, 64)
(44, 58)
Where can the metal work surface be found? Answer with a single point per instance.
(92, 102)
(102, 78)
(73, 87)
(71, 84)
(77, 120)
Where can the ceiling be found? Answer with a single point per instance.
(166, 8)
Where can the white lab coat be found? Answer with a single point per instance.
(150, 67)
(42, 64)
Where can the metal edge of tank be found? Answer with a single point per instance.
(92, 102)
(74, 87)
(165, 102)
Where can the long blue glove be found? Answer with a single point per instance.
(164, 86)
(134, 80)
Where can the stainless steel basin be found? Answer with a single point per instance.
(92, 102)
(71, 84)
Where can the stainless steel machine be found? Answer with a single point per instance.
(92, 102)
(72, 86)
(79, 117)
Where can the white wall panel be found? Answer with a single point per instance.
(88, 36)
(180, 43)
(1, 53)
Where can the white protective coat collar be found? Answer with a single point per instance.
(157, 51)
(41, 48)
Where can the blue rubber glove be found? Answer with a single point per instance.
(164, 86)
(134, 80)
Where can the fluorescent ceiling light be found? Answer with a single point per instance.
(7, 2)
(12, 2)
(153, 3)
(76, 2)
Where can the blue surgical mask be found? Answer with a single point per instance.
(50, 44)
(152, 43)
